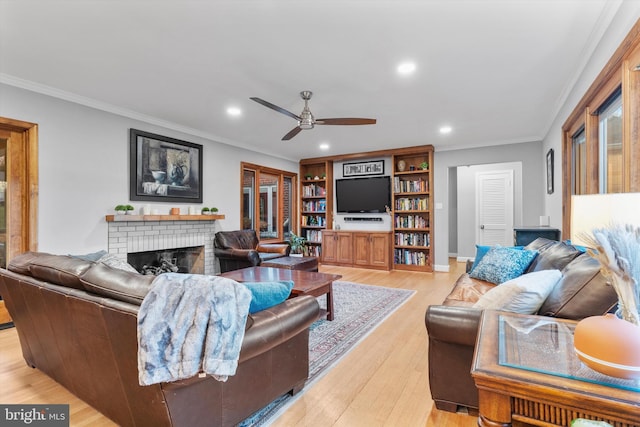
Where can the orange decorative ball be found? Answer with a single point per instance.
(609, 345)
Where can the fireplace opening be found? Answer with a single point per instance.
(178, 260)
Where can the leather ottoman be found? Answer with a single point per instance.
(307, 263)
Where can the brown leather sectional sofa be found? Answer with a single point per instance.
(76, 321)
(452, 327)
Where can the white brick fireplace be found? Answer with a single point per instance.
(139, 234)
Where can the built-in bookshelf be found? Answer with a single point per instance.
(413, 210)
(316, 202)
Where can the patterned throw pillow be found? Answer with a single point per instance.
(482, 250)
(502, 264)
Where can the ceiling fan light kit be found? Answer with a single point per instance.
(306, 120)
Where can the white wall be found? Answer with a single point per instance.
(466, 203)
(533, 187)
(84, 169)
(621, 24)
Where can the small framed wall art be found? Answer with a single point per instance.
(375, 167)
(164, 169)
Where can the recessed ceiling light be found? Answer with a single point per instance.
(445, 130)
(406, 68)
(234, 111)
(324, 146)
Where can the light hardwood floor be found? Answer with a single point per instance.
(382, 382)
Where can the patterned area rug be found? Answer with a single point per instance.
(359, 309)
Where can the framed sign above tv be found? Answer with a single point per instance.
(375, 167)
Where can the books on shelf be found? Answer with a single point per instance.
(410, 186)
(313, 221)
(313, 190)
(410, 257)
(313, 236)
(411, 221)
(412, 239)
(314, 250)
(315, 205)
(412, 204)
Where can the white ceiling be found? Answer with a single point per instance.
(496, 71)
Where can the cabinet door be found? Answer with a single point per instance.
(329, 246)
(345, 248)
(379, 250)
(361, 250)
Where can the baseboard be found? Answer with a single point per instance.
(441, 268)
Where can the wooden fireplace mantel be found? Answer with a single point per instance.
(140, 218)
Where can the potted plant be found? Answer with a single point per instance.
(205, 211)
(129, 209)
(121, 209)
(298, 245)
(424, 166)
(214, 210)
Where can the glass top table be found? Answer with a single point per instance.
(545, 345)
(526, 370)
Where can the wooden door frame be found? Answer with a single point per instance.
(22, 199)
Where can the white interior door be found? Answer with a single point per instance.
(494, 208)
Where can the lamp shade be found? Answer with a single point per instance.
(591, 211)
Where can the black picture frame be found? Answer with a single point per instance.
(163, 169)
(550, 171)
(374, 167)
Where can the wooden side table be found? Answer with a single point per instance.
(526, 371)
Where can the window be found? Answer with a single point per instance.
(601, 147)
(268, 201)
(248, 198)
(579, 163)
(610, 145)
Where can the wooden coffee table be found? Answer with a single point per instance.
(304, 282)
(527, 372)
(307, 263)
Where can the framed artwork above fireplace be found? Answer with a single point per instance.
(164, 169)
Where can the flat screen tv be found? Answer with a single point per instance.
(363, 195)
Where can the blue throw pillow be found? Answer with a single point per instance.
(268, 294)
(481, 251)
(502, 264)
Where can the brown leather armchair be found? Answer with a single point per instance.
(241, 249)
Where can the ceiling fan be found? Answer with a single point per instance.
(306, 119)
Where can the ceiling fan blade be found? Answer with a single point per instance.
(275, 107)
(293, 132)
(346, 121)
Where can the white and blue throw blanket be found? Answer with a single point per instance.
(190, 323)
